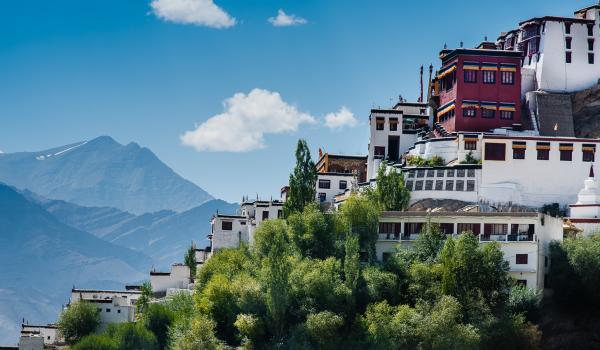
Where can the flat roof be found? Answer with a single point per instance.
(448, 54)
(558, 19)
(424, 214)
(75, 290)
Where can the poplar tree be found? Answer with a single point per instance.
(190, 261)
(302, 181)
(391, 192)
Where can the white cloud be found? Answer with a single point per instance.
(285, 20)
(244, 122)
(197, 12)
(343, 118)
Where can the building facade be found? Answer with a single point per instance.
(479, 90)
(394, 131)
(524, 237)
(163, 283)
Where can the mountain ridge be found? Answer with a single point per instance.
(102, 173)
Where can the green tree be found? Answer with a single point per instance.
(190, 260)
(130, 336)
(390, 191)
(312, 232)
(227, 262)
(380, 285)
(352, 271)
(323, 328)
(219, 301)
(95, 342)
(389, 327)
(362, 217)
(302, 181)
(145, 297)
(430, 242)
(158, 318)
(524, 300)
(252, 330)
(272, 243)
(199, 336)
(78, 320)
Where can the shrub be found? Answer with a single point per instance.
(523, 300)
(78, 320)
(95, 342)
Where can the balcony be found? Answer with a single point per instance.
(508, 238)
(389, 236)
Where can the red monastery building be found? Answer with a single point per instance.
(479, 89)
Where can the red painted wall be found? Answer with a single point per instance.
(482, 92)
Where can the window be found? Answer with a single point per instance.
(590, 28)
(460, 185)
(440, 173)
(508, 78)
(450, 185)
(380, 123)
(265, 215)
(431, 173)
(343, 185)
(590, 44)
(568, 41)
(507, 115)
(322, 197)
(489, 77)
(460, 173)
(409, 185)
(326, 184)
(471, 173)
(380, 151)
(566, 152)
(428, 185)
(495, 229)
(470, 76)
(568, 28)
(393, 124)
(590, 58)
(107, 310)
(411, 174)
(588, 153)
(543, 150)
(470, 145)
(522, 259)
(280, 214)
(473, 228)
(386, 256)
(423, 111)
(568, 56)
(495, 151)
(439, 185)
(412, 228)
(419, 185)
(386, 227)
(518, 153)
(469, 112)
(450, 173)
(118, 311)
(470, 185)
(488, 113)
(420, 173)
(227, 225)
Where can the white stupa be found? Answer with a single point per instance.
(585, 214)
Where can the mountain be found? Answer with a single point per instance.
(102, 173)
(42, 258)
(163, 235)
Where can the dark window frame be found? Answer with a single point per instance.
(522, 259)
(224, 227)
(489, 77)
(470, 76)
(507, 78)
(495, 151)
(488, 113)
(324, 184)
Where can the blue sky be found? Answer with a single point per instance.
(72, 70)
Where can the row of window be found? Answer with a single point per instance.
(497, 151)
(489, 77)
(326, 184)
(569, 43)
(590, 28)
(488, 114)
(438, 185)
(569, 57)
(107, 310)
(441, 173)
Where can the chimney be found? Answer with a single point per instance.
(421, 94)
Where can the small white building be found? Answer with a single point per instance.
(31, 342)
(510, 167)
(560, 53)
(524, 237)
(131, 296)
(49, 333)
(330, 185)
(585, 214)
(394, 131)
(231, 231)
(114, 306)
(163, 283)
